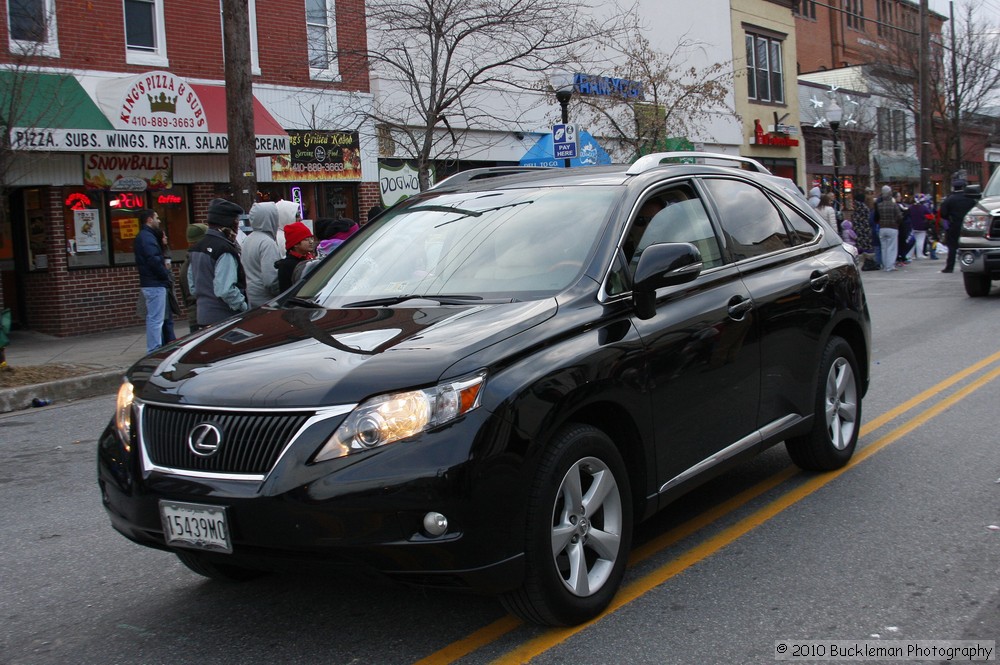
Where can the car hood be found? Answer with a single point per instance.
(988, 203)
(302, 357)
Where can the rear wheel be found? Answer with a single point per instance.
(579, 531)
(837, 417)
(222, 572)
(976, 285)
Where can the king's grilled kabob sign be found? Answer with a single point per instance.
(152, 112)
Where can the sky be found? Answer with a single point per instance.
(989, 8)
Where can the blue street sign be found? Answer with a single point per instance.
(564, 141)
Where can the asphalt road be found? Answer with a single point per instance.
(897, 546)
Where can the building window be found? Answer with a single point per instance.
(855, 12)
(145, 35)
(321, 36)
(32, 27)
(886, 15)
(765, 79)
(805, 9)
(892, 129)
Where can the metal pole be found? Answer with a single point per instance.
(563, 98)
(836, 164)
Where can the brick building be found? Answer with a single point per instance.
(114, 106)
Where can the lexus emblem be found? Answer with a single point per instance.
(205, 439)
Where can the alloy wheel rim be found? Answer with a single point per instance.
(586, 526)
(841, 403)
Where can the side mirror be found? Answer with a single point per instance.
(663, 264)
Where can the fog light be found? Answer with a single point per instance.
(968, 258)
(435, 524)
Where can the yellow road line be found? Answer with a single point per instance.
(525, 652)
(501, 627)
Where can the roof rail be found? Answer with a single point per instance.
(487, 172)
(648, 162)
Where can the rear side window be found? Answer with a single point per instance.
(803, 231)
(752, 225)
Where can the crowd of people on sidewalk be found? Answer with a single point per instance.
(227, 271)
(890, 231)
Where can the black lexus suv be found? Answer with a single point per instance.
(491, 384)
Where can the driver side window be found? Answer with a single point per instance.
(676, 214)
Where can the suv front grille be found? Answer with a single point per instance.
(994, 231)
(250, 442)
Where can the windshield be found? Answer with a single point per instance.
(490, 246)
(993, 186)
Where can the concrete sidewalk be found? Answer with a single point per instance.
(105, 355)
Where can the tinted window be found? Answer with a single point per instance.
(750, 222)
(676, 214)
(803, 230)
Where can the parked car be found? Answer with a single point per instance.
(492, 383)
(979, 243)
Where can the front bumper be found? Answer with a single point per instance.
(363, 511)
(981, 257)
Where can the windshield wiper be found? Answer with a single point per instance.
(443, 299)
(303, 302)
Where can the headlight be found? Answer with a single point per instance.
(977, 221)
(123, 414)
(388, 418)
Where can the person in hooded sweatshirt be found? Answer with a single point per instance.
(288, 212)
(259, 254)
(814, 195)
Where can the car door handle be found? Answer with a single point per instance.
(819, 281)
(738, 307)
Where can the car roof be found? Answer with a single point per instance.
(695, 163)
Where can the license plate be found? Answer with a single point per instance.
(195, 525)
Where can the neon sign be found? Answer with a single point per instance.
(167, 199)
(128, 201)
(77, 201)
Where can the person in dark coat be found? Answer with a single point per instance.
(154, 278)
(954, 208)
(215, 274)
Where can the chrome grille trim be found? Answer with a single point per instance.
(288, 432)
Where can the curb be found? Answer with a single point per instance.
(88, 385)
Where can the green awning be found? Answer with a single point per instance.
(898, 167)
(48, 111)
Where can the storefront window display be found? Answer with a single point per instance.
(96, 220)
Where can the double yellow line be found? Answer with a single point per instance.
(638, 587)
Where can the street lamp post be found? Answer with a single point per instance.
(562, 83)
(834, 115)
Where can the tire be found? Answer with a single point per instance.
(575, 554)
(221, 572)
(837, 418)
(976, 285)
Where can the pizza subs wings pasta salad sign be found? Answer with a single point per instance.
(154, 112)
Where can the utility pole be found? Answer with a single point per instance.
(239, 101)
(957, 119)
(925, 97)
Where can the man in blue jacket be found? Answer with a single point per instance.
(154, 280)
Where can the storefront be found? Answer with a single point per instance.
(90, 152)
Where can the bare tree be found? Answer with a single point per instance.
(443, 62)
(963, 73)
(679, 99)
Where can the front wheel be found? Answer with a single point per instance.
(578, 533)
(837, 415)
(976, 286)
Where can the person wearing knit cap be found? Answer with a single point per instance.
(299, 245)
(260, 252)
(215, 274)
(887, 217)
(334, 232)
(195, 232)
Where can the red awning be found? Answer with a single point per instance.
(213, 99)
